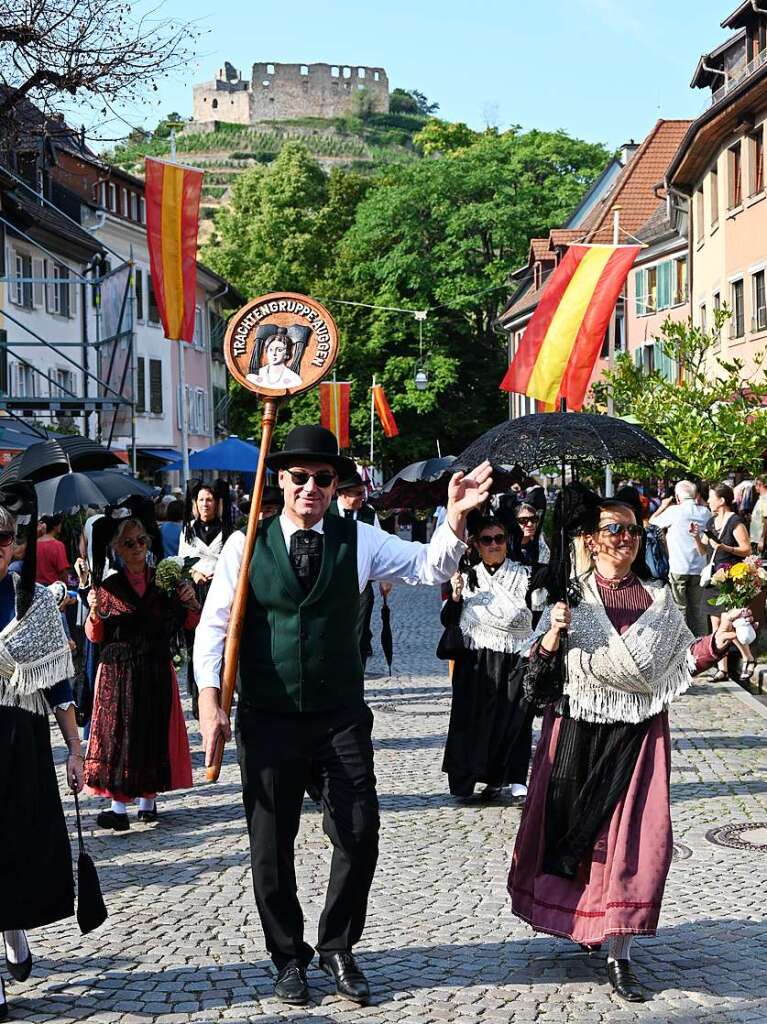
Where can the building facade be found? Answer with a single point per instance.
(717, 177)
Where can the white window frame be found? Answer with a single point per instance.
(758, 313)
(198, 337)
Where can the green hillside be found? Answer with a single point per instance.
(229, 149)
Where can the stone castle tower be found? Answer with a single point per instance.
(278, 92)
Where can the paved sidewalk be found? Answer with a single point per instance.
(183, 942)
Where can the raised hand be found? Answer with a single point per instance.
(467, 491)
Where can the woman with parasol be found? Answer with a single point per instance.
(35, 661)
(594, 845)
(138, 743)
(490, 732)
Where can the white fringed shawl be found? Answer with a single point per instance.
(495, 616)
(628, 678)
(207, 553)
(34, 654)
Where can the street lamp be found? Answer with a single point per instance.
(421, 376)
(421, 379)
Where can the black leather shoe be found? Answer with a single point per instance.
(489, 794)
(350, 981)
(114, 821)
(148, 816)
(624, 982)
(19, 971)
(291, 985)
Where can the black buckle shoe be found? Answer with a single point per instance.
(291, 985)
(148, 816)
(19, 971)
(624, 982)
(350, 981)
(112, 820)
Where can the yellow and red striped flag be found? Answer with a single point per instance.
(172, 195)
(334, 409)
(561, 344)
(385, 415)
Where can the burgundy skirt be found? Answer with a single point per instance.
(619, 890)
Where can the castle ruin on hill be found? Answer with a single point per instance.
(278, 92)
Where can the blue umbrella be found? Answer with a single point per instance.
(231, 455)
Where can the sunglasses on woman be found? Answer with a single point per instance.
(495, 538)
(527, 520)
(6, 537)
(616, 529)
(323, 479)
(137, 542)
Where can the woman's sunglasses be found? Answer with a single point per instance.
(527, 520)
(323, 479)
(616, 529)
(6, 537)
(495, 538)
(138, 542)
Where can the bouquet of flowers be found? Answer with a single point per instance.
(738, 585)
(172, 572)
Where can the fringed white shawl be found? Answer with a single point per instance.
(628, 678)
(34, 654)
(495, 616)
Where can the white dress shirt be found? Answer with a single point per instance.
(380, 556)
(684, 559)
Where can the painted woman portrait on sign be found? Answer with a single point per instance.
(279, 349)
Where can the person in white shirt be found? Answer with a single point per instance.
(301, 705)
(685, 561)
(758, 525)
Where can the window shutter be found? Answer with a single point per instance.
(38, 272)
(664, 285)
(638, 358)
(155, 385)
(140, 384)
(641, 292)
(50, 288)
(73, 286)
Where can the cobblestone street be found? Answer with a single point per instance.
(183, 942)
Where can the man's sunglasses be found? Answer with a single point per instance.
(323, 479)
(495, 538)
(7, 537)
(616, 529)
(138, 542)
(527, 520)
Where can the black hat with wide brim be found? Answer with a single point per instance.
(311, 444)
(353, 480)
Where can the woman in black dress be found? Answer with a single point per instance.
(724, 540)
(490, 733)
(36, 886)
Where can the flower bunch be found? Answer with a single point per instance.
(172, 572)
(739, 584)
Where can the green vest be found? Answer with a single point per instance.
(297, 654)
(367, 514)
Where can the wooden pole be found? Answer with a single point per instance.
(237, 614)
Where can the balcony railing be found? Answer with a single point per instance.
(736, 76)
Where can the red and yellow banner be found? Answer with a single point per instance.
(561, 344)
(334, 409)
(172, 195)
(385, 415)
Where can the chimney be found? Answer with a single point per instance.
(627, 151)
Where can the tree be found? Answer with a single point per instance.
(438, 138)
(411, 101)
(711, 414)
(94, 51)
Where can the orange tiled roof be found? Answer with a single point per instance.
(539, 250)
(633, 189)
(564, 236)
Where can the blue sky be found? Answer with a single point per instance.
(603, 70)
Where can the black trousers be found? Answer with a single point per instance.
(276, 755)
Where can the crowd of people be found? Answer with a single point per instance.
(594, 845)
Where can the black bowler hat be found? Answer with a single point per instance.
(311, 444)
(353, 480)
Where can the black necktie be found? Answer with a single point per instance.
(306, 557)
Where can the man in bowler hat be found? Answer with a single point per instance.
(350, 503)
(301, 706)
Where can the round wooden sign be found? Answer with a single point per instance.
(281, 344)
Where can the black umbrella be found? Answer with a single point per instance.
(58, 455)
(387, 644)
(554, 438)
(77, 490)
(424, 484)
